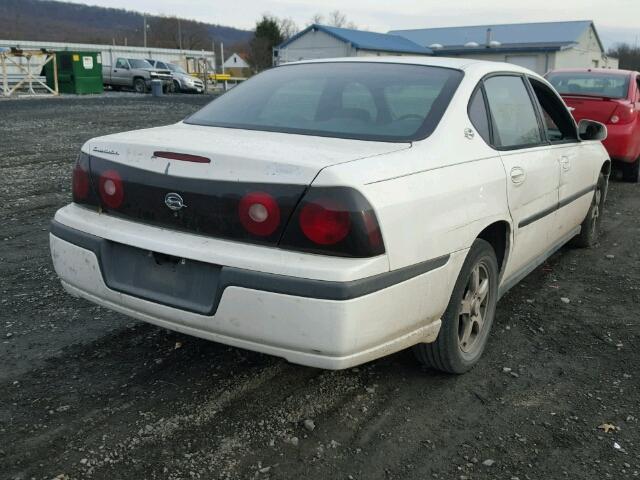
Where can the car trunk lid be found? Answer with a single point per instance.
(599, 109)
(202, 191)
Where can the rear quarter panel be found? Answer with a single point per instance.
(436, 197)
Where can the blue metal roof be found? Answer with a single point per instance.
(542, 36)
(363, 40)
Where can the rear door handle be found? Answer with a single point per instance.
(518, 175)
(565, 163)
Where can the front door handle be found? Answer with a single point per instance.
(518, 175)
(565, 163)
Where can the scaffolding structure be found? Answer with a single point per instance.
(26, 77)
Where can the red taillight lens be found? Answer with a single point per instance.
(623, 114)
(259, 213)
(81, 182)
(325, 222)
(334, 221)
(111, 189)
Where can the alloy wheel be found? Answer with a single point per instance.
(473, 308)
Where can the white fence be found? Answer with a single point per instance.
(188, 59)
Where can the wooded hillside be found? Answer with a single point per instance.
(70, 22)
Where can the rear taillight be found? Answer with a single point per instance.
(325, 221)
(623, 114)
(259, 213)
(334, 221)
(81, 180)
(111, 189)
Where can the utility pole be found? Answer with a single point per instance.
(222, 63)
(144, 29)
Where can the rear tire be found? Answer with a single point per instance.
(590, 228)
(631, 171)
(467, 321)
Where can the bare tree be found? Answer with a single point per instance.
(318, 18)
(334, 19)
(337, 19)
(628, 56)
(288, 28)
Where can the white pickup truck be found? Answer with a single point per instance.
(134, 73)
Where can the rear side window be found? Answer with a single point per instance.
(478, 115)
(514, 116)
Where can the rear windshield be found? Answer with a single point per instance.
(135, 63)
(592, 84)
(365, 101)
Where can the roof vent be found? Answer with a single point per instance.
(472, 44)
(494, 44)
(436, 46)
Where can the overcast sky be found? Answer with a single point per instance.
(616, 20)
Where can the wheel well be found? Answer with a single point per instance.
(497, 234)
(606, 168)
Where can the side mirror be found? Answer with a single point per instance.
(591, 130)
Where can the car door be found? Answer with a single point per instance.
(578, 160)
(532, 171)
(120, 72)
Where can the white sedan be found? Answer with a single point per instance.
(336, 211)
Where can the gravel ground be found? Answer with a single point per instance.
(87, 393)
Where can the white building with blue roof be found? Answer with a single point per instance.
(537, 46)
(321, 41)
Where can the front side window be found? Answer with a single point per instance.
(590, 84)
(557, 119)
(359, 100)
(135, 63)
(514, 116)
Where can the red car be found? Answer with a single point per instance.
(611, 97)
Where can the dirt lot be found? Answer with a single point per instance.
(87, 393)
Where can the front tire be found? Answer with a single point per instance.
(590, 228)
(467, 321)
(631, 171)
(139, 85)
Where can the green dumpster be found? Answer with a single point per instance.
(78, 72)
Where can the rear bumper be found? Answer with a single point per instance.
(622, 143)
(323, 324)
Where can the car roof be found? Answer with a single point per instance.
(612, 71)
(465, 64)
